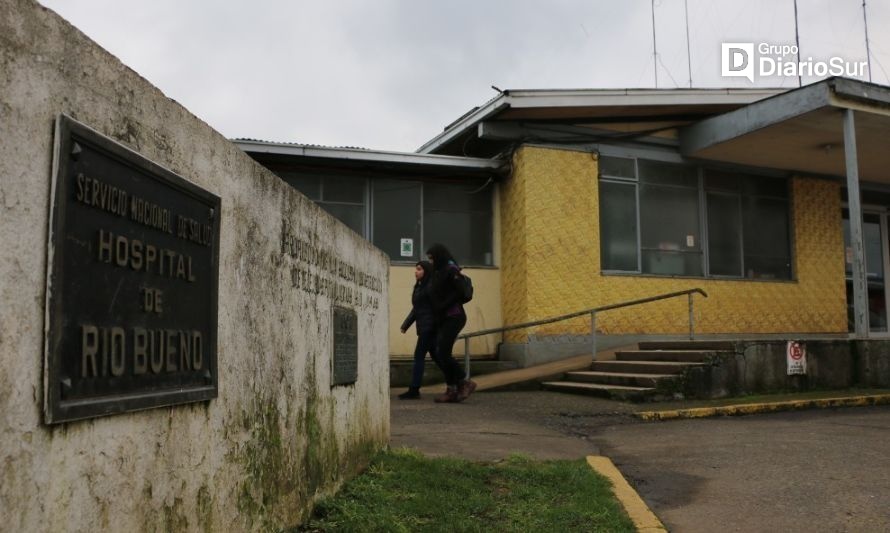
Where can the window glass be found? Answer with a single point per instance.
(657, 172)
(462, 196)
(765, 186)
(616, 167)
(397, 217)
(351, 215)
(747, 217)
(871, 236)
(467, 235)
(343, 189)
(669, 218)
(459, 215)
(716, 180)
(618, 226)
(672, 263)
(724, 235)
(306, 184)
(874, 260)
(767, 243)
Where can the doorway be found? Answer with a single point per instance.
(877, 258)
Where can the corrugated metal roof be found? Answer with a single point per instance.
(323, 146)
(365, 155)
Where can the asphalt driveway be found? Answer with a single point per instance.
(820, 470)
(823, 470)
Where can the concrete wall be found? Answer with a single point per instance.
(551, 262)
(761, 367)
(278, 435)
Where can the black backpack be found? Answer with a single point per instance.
(464, 288)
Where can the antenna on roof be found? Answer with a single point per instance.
(688, 52)
(797, 42)
(867, 44)
(497, 89)
(654, 46)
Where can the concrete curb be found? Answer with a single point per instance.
(766, 407)
(644, 519)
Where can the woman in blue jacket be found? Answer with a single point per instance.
(422, 315)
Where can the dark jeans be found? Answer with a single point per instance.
(426, 343)
(448, 331)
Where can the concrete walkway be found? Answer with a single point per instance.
(493, 425)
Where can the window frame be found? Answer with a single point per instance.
(423, 244)
(667, 156)
(365, 203)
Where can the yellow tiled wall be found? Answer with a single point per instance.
(551, 262)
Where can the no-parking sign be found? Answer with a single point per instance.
(796, 355)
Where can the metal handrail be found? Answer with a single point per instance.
(592, 312)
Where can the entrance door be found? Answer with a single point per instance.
(875, 242)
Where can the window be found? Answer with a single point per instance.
(670, 240)
(654, 217)
(748, 229)
(618, 212)
(459, 215)
(397, 216)
(407, 216)
(341, 196)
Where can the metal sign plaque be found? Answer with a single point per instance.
(132, 282)
(345, 361)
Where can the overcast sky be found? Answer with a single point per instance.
(390, 74)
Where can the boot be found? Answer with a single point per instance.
(465, 389)
(449, 396)
(413, 393)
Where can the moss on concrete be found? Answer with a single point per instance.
(290, 460)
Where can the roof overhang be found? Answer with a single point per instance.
(326, 157)
(800, 131)
(580, 106)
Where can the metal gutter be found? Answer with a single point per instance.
(636, 97)
(369, 156)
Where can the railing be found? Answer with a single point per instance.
(592, 312)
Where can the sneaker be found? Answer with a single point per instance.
(410, 394)
(449, 396)
(465, 389)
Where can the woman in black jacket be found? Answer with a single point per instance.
(444, 291)
(422, 315)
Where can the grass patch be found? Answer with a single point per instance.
(404, 491)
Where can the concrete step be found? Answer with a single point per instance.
(683, 356)
(642, 367)
(687, 345)
(623, 379)
(616, 392)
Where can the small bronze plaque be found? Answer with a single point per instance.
(345, 361)
(132, 282)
